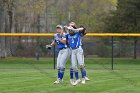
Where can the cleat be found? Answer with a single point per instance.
(76, 82)
(57, 81)
(83, 81)
(87, 79)
(72, 81)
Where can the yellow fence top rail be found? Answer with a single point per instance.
(88, 34)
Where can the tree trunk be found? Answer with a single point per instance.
(10, 13)
(38, 28)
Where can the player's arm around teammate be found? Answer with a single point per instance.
(63, 53)
(83, 31)
(77, 51)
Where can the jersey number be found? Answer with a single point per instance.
(57, 42)
(72, 40)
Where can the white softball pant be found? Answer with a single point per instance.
(62, 58)
(77, 55)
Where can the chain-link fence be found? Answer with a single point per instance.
(112, 52)
(99, 52)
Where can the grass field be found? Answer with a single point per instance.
(26, 75)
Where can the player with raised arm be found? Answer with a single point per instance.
(74, 39)
(72, 71)
(83, 33)
(71, 68)
(77, 53)
(63, 52)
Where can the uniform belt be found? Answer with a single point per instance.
(62, 48)
(76, 48)
(73, 48)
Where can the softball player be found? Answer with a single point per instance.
(74, 40)
(71, 69)
(83, 33)
(63, 52)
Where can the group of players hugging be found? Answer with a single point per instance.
(68, 40)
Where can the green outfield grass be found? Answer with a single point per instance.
(26, 75)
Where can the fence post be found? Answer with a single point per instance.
(54, 56)
(135, 47)
(112, 52)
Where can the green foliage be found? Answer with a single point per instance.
(89, 13)
(126, 18)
